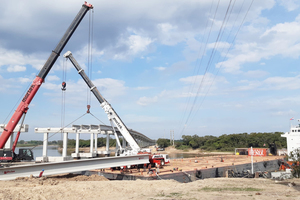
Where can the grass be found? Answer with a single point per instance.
(236, 189)
(175, 194)
(161, 194)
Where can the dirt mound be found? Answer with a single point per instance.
(93, 177)
(53, 180)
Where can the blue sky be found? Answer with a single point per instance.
(163, 65)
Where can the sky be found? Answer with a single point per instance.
(209, 67)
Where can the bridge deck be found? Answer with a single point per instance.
(10, 173)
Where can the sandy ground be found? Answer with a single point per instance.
(168, 150)
(96, 187)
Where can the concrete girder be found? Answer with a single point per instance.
(70, 166)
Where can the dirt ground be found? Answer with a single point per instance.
(97, 187)
(168, 150)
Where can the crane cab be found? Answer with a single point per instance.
(7, 155)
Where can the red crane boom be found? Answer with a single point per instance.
(23, 106)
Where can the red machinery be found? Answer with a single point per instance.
(8, 154)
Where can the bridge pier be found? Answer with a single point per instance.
(45, 147)
(94, 131)
(77, 144)
(107, 145)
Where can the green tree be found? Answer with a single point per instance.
(163, 142)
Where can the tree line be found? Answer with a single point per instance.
(23, 143)
(101, 142)
(228, 142)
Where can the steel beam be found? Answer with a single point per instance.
(70, 166)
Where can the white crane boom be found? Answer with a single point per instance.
(111, 113)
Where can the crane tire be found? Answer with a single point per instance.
(162, 163)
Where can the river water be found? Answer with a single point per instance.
(38, 151)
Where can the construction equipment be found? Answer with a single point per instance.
(115, 119)
(8, 154)
(111, 114)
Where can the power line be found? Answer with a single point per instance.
(198, 66)
(207, 68)
(221, 32)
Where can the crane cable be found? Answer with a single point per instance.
(63, 95)
(90, 57)
(61, 131)
(62, 128)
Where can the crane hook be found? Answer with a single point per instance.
(88, 108)
(64, 85)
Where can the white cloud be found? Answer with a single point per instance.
(202, 85)
(16, 60)
(219, 45)
(142, 88)
(169, 34)
(284, 113)
(132, 118)
(138, 43)
(24, 80)
(128, 47)
(290, 5)
(260, 40)
(249, 85)
(178, 67)
(256, 73)
(209, 84)
(283, 35)
(144, 101)
(16, 68)
(282, 83)
(206, 80)
(160, 68)
(271, 83)
(53, 78)
(10, 86)
(52, 86)
(111, 89)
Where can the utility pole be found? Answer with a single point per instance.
(170, 136)
(173, 138)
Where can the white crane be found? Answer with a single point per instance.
(111, 113)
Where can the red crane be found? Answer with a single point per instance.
(37, 82)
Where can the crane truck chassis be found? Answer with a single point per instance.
(7, 155)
